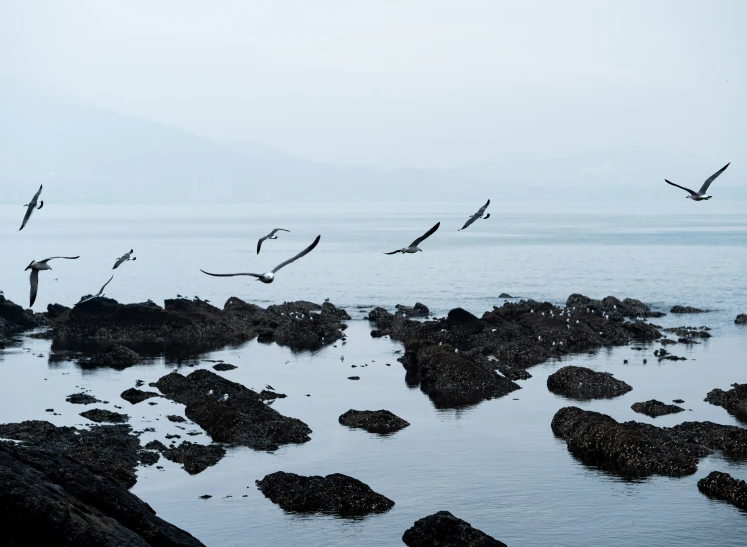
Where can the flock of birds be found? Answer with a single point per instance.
(269, 277)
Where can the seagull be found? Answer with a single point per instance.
(100, 293)
(124, 258)
(700, 195)
(31, 206)
(271, 235)
(413, 248)
(41, 265)
(478, 214)
(268, 277)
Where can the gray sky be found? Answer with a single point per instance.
(415, 83)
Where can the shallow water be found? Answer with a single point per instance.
(496, 465)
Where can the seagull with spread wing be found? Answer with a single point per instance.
(41, 265)
(413, 248)
(31, 205)
(124, 258)
(478, 214)
(97, 295)
(700, 195)
(269, 277)
(271, 235)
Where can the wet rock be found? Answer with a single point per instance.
(505, 295)
(175, 418)
(55, 499)
(373, 421)
(443, 529)
(82, 399)
(329, 309)
(267, 395)
(584, 384)
(734, 400)
(114, 356)
(14, 319)
(689, 332)
(686, 309)
(654, 408)
(678, 401)
(741, 319)
(220, 367)
(628, 307)
(418, 310)
(195, 458)
(335, 493)
(136, 396)
(230, 412)
(158, 446)
(723, 486)
(101, 415)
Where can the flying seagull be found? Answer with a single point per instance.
(41, 265)
(100, 293)
(31, 205)
(478, 214)
(413, 248)
(124, 258)
(268, 277)
(700, 195)
(271, 235)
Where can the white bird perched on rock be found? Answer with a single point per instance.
(268, 277)
(700, 195)
(477, 215)
(413, 247)
(124, 258)
(100, 293)
(31, 205)
(34, 277)
(271, 235)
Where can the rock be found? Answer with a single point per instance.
(443, 529)
(628, 307)
(655, 408)
(101, 415)
(505, 295)
(14, 319)
(723, 486)
(136, 396)
(57, 500)
(81, 399)
(741, 319)
(689, 332)
(195, 458)
(678, 401)
(156, 445)
(373, 421)
(584, 384)
(266, 395)
(734, 400)
(686, 309)
(114, 356)
(335, 493)
(418, 310)
(174, 418)
(224, 366)
(240, 418)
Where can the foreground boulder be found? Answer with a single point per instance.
(231, 413)
(585, 384)
(335, 493)
(53, 499)
(195, 458)
(734, 400)
(723, 486)
(637, 449)
(656, 408)
(373, 421)
(443, 529)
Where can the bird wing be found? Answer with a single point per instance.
(38, 193)
(393, 252)
(231, 275)
(105, 284)
(34, 279)
(709, 180)
(678, 186)
(119, 261)
(276, 230)
(425, 236)
(259, 243)
(53, 257)
(27, 216)
(306, 251)
(471, 220)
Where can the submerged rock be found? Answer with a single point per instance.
(656, 408)
(688, 333)
(443, 529)
(230, 412)
(584, 384)
(136, 396)
(335, 493)
(734, 400)
(373, 421)
(82, 399)
(222, 367)
(102, 415)
(723, 486)
(686, 309)
(114, 356)
(195, 458)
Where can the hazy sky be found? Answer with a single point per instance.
(419, 83)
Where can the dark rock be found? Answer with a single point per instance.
(723, 486)
(53, 499)
(175, 418)
(667, 341)
(114, 356)
(230, 412)
(14, 319)
(373, 421)
(655, 408)
(224, 366)
(686, 309)
(505, 295)
(81, 399)
(354, 377)
(418, 310)
(195, 458)
(156, 445)
(678, 401)
(101, 415)
(689, 332)
(443, 529)
(741, 319)
(205, 497)
(329, 309)
(136, 396)
(584, 384)
(734, 400)
(335, 493)
(629, 307)
(266, 395)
